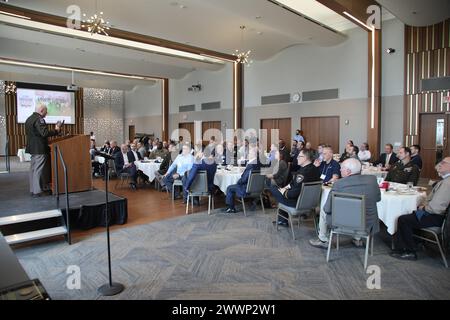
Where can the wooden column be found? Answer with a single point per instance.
(374, 83)
(165, 110)
(238, 94)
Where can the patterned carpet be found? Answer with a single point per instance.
(229, 257)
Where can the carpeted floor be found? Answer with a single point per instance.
(229, 257)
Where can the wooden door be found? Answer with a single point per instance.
(319, 130)
(210, 125)
(131, 133)
(434, 134)
(284, 127)
(189, 127)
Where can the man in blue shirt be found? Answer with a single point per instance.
(299, 136)
(202, 163)
(330, 170)
(182, 164)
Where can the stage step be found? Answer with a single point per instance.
(35, 235)
(30, 217)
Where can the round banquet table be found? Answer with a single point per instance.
(225, 178)
(374, 171)
(148, 168)
(391, 207)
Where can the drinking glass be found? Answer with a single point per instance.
(410, 186)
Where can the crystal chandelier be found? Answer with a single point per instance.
(96, 23)
(243, 57)
(9, 87)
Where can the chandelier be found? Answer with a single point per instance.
(9, 87)
(96, 23)
(243, 57)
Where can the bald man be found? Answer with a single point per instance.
(37, 145)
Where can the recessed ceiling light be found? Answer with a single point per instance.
(260, 33)
(182, 6)
(258, 17)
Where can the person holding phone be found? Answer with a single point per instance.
(37, 145)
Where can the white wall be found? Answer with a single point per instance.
(306, 68)
(216, 86)
(295, 69)
(392, 110)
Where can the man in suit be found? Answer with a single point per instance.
(134, 151)
(388, 158)
(201, 163)
(124, 162)
(289, 194)
(352, 182)
(170, 156)
(37, 145)
(404, 170)
(240, 189)
(415, 156)
(106, 147)
(429, 214)
(114, 148)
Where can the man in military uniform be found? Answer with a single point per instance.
(404, 170)
(37, 145)
(289, 195)
(160, 152)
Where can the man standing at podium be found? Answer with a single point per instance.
(37, 145)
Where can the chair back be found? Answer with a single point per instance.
(348, 213)
(446, 230)
(309, 196)
(200, 183)
(256, 183)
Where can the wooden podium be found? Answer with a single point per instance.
(75, 151)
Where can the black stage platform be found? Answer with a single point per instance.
(86, 208)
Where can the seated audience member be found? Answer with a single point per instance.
(354, 150)
(96, 166)
(272, 152)
(415, 156)
(319, 153)
(128, 143)
(141, 150)
(154, 146)
(364, 154)
(92, 136)
(106, 147)
(299, 136)
(352, 182)
(230, 153)
(289, 194)
(134, 151)
(210, 149)
(114, 148)
(404, 170)
(160, 152)
(347, 153)
(201, 163)
(240, 189)
(165, 164)
(430, 214)
(219, 155)
(330, 170)
(182, 164)
(283, 149)
(92, 149)
(243, 152)
(388, 158)
(308, 146)
(166, 145)
(280, 170)
(295, 150)
(124, 163)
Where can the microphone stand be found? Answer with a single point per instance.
(111, 288)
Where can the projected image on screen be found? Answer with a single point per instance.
(60, 105)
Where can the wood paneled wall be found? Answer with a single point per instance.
(16, 131)
(427, 55)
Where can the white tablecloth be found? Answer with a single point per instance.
(23, 156)
(148, 168)
(391, 206)
(225, 178)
